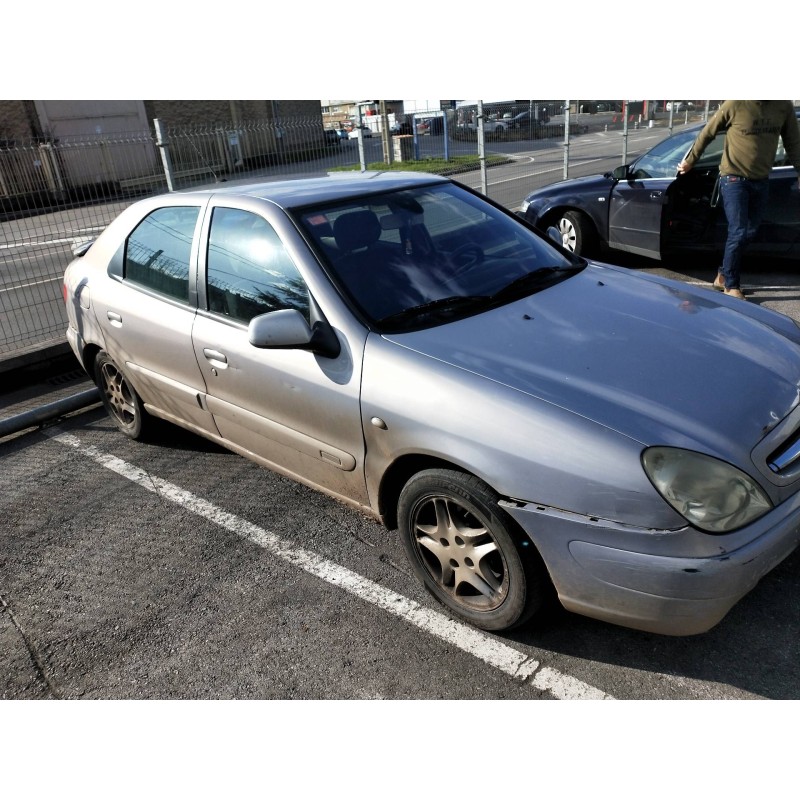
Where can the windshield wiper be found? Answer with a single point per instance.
(539, 279)
(442, 306)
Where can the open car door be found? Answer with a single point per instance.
(654, 210)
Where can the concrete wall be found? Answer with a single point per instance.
(17, 120)
(205, 112)
(23, 119)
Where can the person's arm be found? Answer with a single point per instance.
(718, 122)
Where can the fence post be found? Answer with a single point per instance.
(163, 146)
(566, 139)
(625, 132)
(52, 171)
(361, 157)
(482, 150)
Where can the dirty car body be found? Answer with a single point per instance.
(525, 418)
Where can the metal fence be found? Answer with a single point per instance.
(58, 194)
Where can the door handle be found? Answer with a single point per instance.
(656, 195)
(215, 355)
(114, 318)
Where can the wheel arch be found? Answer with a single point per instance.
(398, 474)
(552, 215)
(89, 356)
(401, 471)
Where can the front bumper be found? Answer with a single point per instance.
(657, 581)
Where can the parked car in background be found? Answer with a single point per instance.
(679, 105)
(331, 137)
(647, 208)
(366, 132)
(528, 420)
(402, 129)
(525, 120)
(492, 127)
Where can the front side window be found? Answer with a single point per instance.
(158, 252)
(662, 161)
(248, 269)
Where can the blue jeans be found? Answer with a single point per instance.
(744, 201)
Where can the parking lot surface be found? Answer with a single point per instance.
(179, 570)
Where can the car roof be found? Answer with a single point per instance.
(305, 191)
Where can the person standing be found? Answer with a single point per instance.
(752, 129)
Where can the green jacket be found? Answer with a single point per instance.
(752, 128)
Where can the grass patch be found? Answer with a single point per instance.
(438, 166)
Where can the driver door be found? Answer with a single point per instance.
(636, 209)
(294, 411)
(653, 210)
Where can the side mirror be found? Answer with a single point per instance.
(620, 173)
(555, 234)
(288, 330)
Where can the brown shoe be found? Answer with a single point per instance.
(719, 282)
(735, 293)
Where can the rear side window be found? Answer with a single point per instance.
(158, 251)
(248, 269)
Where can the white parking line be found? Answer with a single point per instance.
(491, 651)
(43, 243)
(17, 286)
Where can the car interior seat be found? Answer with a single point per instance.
(356, 231)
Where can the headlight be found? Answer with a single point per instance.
(712, 495)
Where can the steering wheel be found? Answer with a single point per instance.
(466, 256)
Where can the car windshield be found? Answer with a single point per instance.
(430, 254)
(662, 161)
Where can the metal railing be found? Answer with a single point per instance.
(57, 194)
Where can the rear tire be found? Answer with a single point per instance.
(119, 398)
(468, 552)
(577, 233)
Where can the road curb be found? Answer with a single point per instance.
(48, 412)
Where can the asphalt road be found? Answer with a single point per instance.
(179, 570)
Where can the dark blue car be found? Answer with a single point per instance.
(648, 209)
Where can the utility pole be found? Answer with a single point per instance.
(482, 150)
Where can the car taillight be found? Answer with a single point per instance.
(64, 291)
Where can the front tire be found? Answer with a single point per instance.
(120, 399)
(467, 551)
(577, 233)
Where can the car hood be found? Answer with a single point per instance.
(653, 359)
(576, 185)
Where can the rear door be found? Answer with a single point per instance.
(694, 216)
(147, 311)
(780, 230)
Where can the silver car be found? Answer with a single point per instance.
(528, 420)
